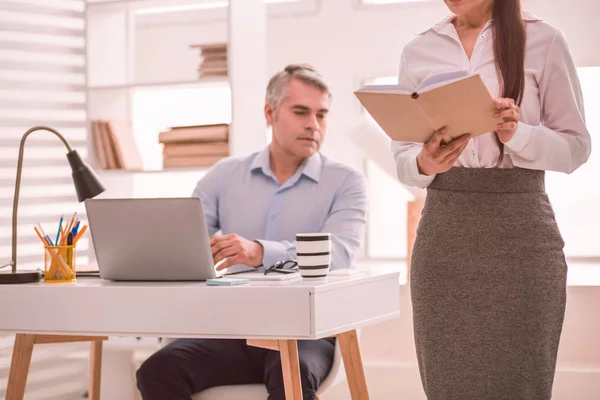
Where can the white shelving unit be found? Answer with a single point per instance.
(113, 77)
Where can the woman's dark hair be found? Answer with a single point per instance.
(509, 47)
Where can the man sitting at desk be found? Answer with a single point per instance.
(259, 203)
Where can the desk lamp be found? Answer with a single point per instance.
(87, 186)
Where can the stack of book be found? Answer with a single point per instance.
(194, 146)
(213, 60)
(114, 145)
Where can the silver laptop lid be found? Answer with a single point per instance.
(150, 239)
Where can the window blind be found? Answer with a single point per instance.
(42, 82)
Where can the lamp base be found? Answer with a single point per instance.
(10, 277)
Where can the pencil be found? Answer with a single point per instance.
(40, 236)
(68, 228)
(79, 234)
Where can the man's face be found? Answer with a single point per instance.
(300, 121)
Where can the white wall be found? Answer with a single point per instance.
(348, 43)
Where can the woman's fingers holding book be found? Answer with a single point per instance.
(436, 157)
(437, 138)
(454, 149)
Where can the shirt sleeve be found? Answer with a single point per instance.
(207, 190)
(405, 153)
(561, 142)
(346, 221)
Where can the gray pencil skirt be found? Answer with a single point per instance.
(488, 286)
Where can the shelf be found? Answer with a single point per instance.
(137, 5)
(151, 171)
(207, 81)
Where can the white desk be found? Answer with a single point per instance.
(260, 312)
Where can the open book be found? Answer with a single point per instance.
(456, 101)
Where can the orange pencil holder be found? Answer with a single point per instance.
(59, 263)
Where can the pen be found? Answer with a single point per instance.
(44, 234)
(59, 229)
(76, 228)
(40, 236)
(70, 250)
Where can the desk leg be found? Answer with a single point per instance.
(288, 350)
(290, 364)
(21, 360)
(95, 370)
(355, 371)
(19, 367)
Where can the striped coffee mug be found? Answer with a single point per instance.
(313, 254)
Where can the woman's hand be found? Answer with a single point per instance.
(511, 115)
(436, 157)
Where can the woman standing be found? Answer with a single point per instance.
(488, 279)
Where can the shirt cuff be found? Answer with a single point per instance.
(420, 180)
(273, 252)
(520, 139)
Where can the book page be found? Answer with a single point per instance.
(464, 106)
(400, 89)
(438, 80)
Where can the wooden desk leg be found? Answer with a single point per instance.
(21, 360)
(290, 365)
(95, 370)
(19, 367)
(355, 371)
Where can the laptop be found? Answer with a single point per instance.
(150, 239)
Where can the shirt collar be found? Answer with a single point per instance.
(311, 167)
(529, 17)
(444, 24)
(261, 161)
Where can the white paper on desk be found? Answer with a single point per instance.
(259, 275)
(347, 272)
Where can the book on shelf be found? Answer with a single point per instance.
(196, 149)
(103, 145)
(210, 47)
(213, 69)
(195, 133)
(115, 146)
(210, 74)
(213, 59)
(191, 161)
(98, 145)
(213, 64)
(194, 146)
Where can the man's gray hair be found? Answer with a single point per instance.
(278, 84)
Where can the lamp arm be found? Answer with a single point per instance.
(13, 263)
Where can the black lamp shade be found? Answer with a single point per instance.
(87, 184)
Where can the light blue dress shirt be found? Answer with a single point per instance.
(241, 195)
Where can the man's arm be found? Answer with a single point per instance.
(346, 222)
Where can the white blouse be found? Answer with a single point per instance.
(551, 135)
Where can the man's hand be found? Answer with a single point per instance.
(510, 115)
(237, 250)
(436, 157)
